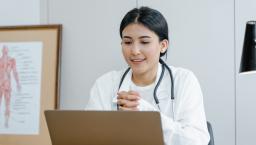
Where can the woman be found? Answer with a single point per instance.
(150, 85)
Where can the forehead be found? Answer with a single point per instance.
(136, 30)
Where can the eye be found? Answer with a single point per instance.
(127, 42)
(145, 42)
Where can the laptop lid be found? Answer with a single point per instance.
(104, 127)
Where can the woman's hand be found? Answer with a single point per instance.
(128, 101)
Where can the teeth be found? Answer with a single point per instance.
(137, 60)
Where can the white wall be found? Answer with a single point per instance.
(202, 39)
(91, 44)
(246, 84)
(19, 12)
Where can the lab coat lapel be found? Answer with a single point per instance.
(127, 82)
(163, 91)
(124, 87)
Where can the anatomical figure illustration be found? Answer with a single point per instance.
(7, 70)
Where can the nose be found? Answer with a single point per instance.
(135, 50)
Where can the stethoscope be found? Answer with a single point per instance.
(164, 65)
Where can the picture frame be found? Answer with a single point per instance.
(32, 57)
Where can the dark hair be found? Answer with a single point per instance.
(150, 18)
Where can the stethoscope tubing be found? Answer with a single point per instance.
(164, 65)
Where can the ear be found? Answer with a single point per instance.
(164, 45)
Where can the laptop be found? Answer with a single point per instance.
(70, 127)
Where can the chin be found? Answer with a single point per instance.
(138, 70)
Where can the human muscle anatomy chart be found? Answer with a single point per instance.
(7, 66)
(20, 86)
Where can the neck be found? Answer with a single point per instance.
(146, 78)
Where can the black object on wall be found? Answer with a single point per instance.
(248, 59)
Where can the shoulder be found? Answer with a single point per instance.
(182, 73)
(186, 84)
(110, 80)
(111, 76)
(183, 77)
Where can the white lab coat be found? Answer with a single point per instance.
(189, 124)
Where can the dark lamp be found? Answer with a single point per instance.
(248, 59)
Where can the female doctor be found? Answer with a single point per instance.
(151, 85)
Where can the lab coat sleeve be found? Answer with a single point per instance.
(101, 93)
(189, 126)
(95, 100)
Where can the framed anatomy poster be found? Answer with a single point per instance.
(29, 82)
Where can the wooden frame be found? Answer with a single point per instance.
(50, 38)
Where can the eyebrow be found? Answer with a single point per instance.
(139, 37)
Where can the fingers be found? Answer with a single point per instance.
(127, 103)
(131, 95)
(129, 92)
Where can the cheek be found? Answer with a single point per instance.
(125, 53)
(153, 52)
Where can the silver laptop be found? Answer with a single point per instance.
(104, 127)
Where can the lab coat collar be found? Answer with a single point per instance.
(127, 83)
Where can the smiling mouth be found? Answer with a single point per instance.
(137, 60)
